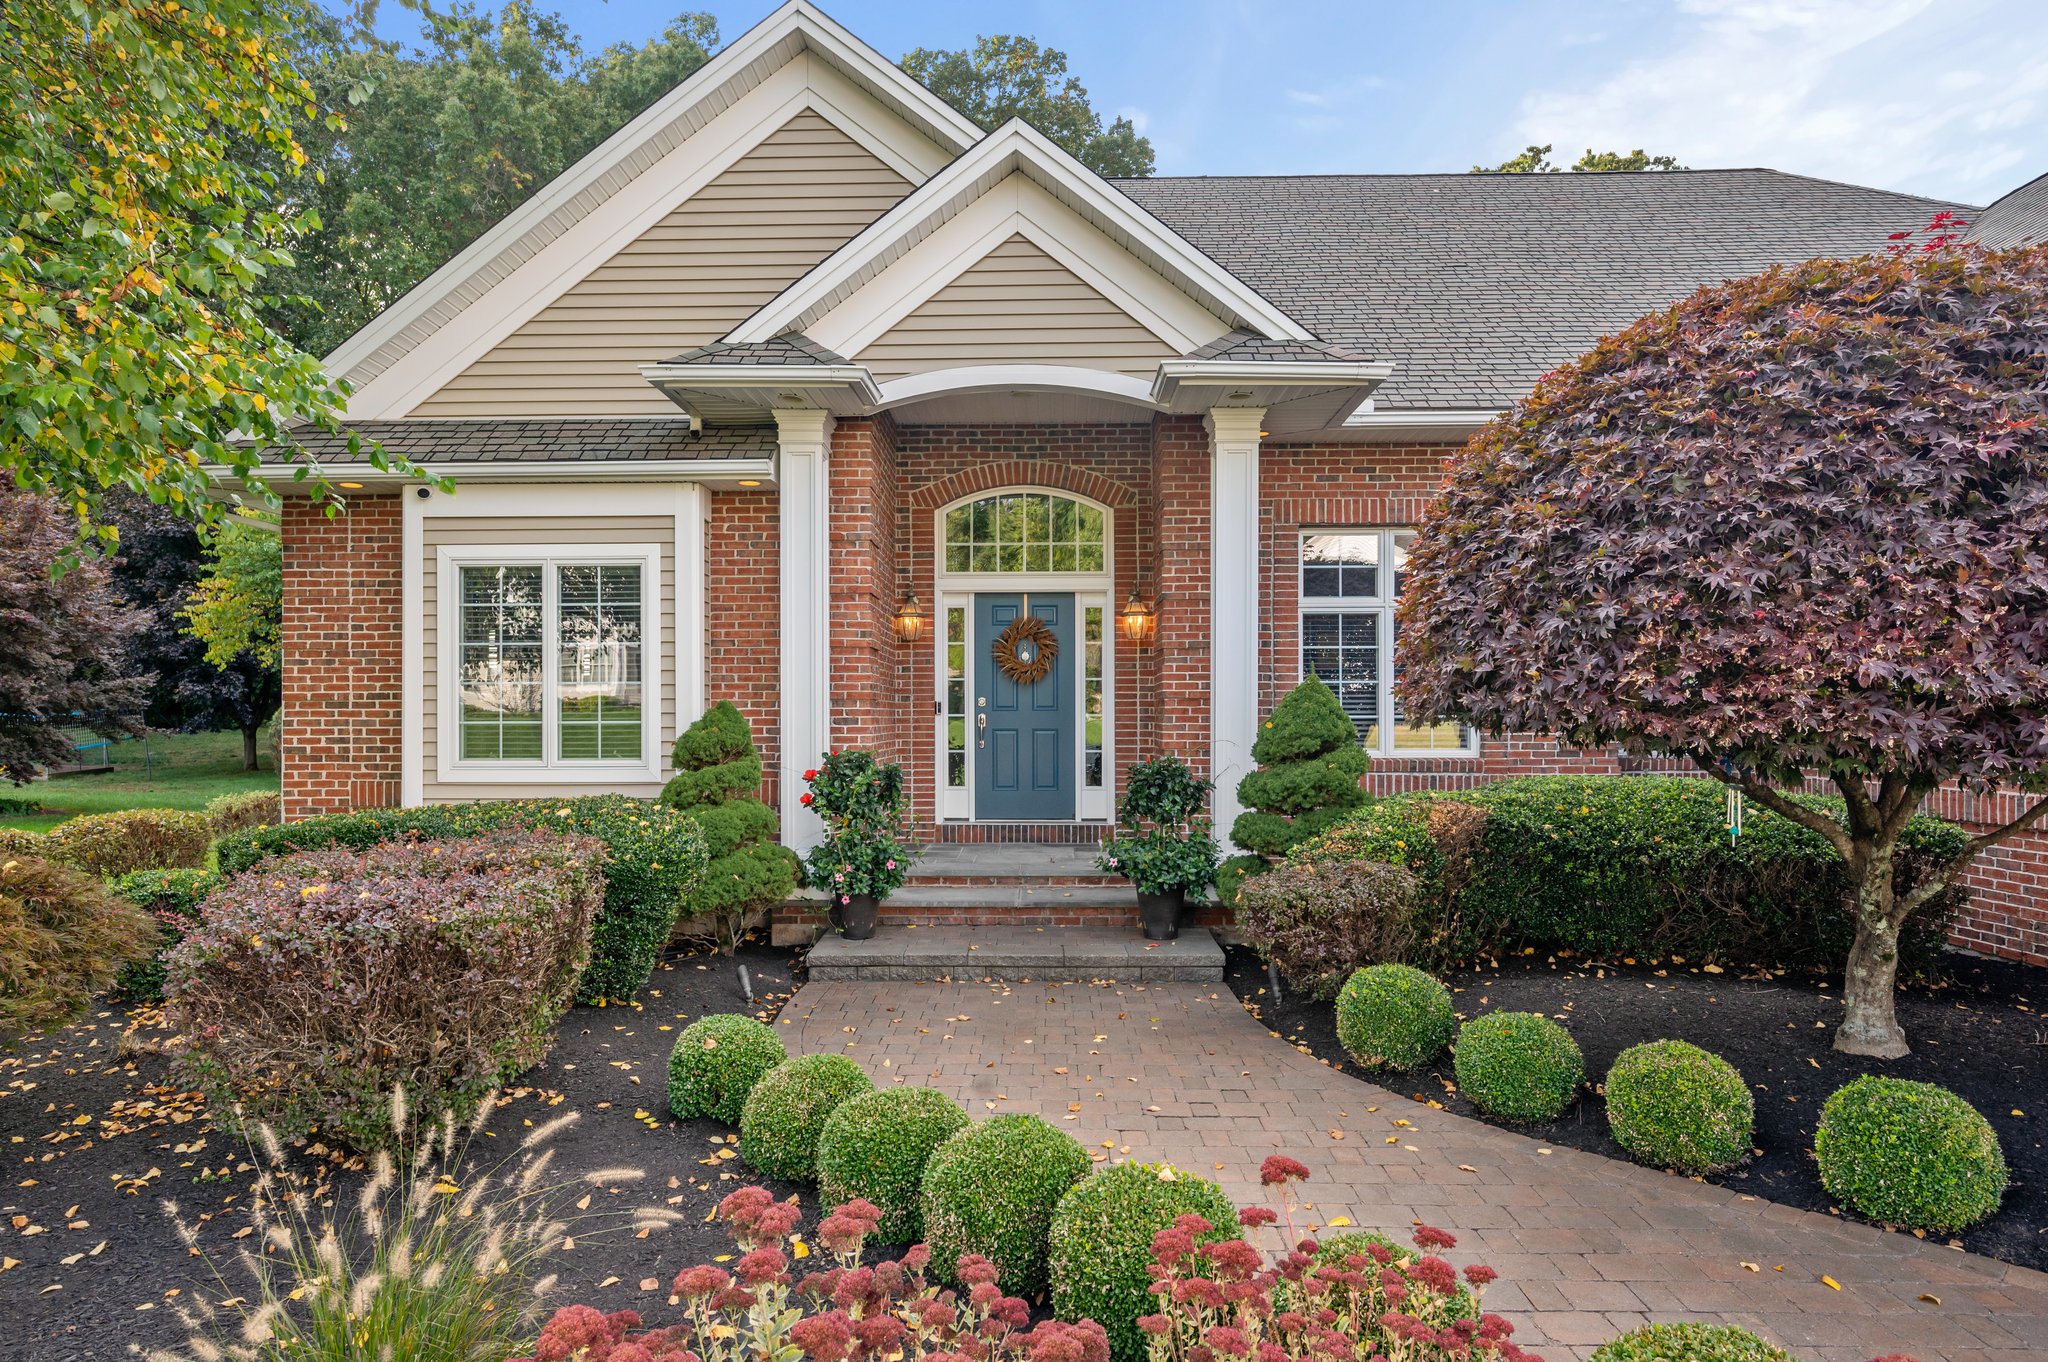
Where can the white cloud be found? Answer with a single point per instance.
(1946, 97)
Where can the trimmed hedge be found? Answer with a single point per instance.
(1910, 1154)
(110, 844)
(461, 956)
(1318, 923)
(1518, 1066)
(172, 899)
(1099, 1251)
(1635, 865)
(239, 812)
(716, 1062)
(63, 938)
(1677, 1106)
(1394, 1017)
(1690, 1342)
(877, 1145)
(784, 1116)
(654, 856)
(992, 1190)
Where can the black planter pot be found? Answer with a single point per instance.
(1160, 913)
(857, 917)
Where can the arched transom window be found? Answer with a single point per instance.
(1025, 532)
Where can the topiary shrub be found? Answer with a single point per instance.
(1689, 1342)
(171, 898)
(1911, 1154)
(992, 1190)
(655, 855)
(1518, 1066)
(1677, 1106)
(63, 938)
(109, 844)
(1310, 764)
(784, 1116)
(716, 1063)
(718, 776)
(876, 1147)
(240, 812)
(460, 958)
(1099, 1250)
(1319, 923)
(1394, 1017)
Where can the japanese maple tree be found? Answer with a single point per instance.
(1795, 526)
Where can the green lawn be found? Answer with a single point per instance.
(171, 771)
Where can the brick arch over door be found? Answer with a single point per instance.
(1112, 465)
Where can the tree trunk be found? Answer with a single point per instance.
(249, 747)
(1870, 1024)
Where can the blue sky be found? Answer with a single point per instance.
(1947, 98)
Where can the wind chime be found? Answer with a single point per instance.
(1026, 648)
(1734, 814)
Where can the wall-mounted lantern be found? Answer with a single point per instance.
(1139, 620)
(910, 619)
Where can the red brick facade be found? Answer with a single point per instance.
(343, 607)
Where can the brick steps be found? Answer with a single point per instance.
(897, 953)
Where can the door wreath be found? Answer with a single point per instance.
(1026, 650)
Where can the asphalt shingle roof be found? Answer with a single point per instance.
(1245, 346)
(2018, 219)
(1475, 285)
(494, 441)
(792, 347)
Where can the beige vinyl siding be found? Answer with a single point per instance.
(798, 196)
(533, 533)
(1017, 305)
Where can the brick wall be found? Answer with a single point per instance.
(867, 663)
(743, 614)
(343, 679)
(1180, 711)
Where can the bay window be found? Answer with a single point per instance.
(1350, 583)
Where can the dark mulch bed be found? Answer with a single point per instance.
(95, 1142)
(1983, 1034)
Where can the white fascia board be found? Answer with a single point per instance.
(754, 376)
(1017, 206)
(1013, 148)
(1413, 417)
(1035, 378)
(1175, 374)
(798, 85)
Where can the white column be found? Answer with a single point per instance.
(1233, 603)
(804, 493)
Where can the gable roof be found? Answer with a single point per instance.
(1476, 285)
(2018, 219)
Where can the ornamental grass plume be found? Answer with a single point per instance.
(1354, 1296)
(845, 1312)
(429, 1261)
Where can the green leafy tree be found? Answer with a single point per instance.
(237, 612)
(1004, 76)
(1535, 160)
(718, 773)
(445, 139)
(147, 173)
(1788, 527)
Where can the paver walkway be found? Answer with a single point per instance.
(1586, 1247)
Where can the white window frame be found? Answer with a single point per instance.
(1094, 805)
(1380, 605)
(552, 769)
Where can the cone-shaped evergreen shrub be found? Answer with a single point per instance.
(717, 774)
(1309, 768)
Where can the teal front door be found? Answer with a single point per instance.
(1026, 743)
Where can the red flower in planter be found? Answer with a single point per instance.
(805, 798)
(811, 774)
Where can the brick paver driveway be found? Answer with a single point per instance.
(1587, 1247)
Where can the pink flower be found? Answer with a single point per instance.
(1278, 1169)
(846, 898)
(892, 865)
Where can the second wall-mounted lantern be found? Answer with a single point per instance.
(910, 619)
(1139, 621)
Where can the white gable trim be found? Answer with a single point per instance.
(801, 85)
(1035, 378)
(791, 33)
(1014, 148)
(1018, 206)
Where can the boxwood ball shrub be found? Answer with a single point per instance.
(109, 844)
(1518, 1066)
(1099, 1251)
(876, 1147)
(171, 898)
(1677, 1106)
(314, 984)
(716, 1063)
(1394, 1017)
(1690, 1342)
(784, 1116)
(1910, 1154)
(992, 1190)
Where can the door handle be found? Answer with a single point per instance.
(981, 721)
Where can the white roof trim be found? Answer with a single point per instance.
(1409, 418)
(736, 68)
(548, 470)
(1032, 378)
(1013, 148)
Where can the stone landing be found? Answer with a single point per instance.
(1041, 954)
